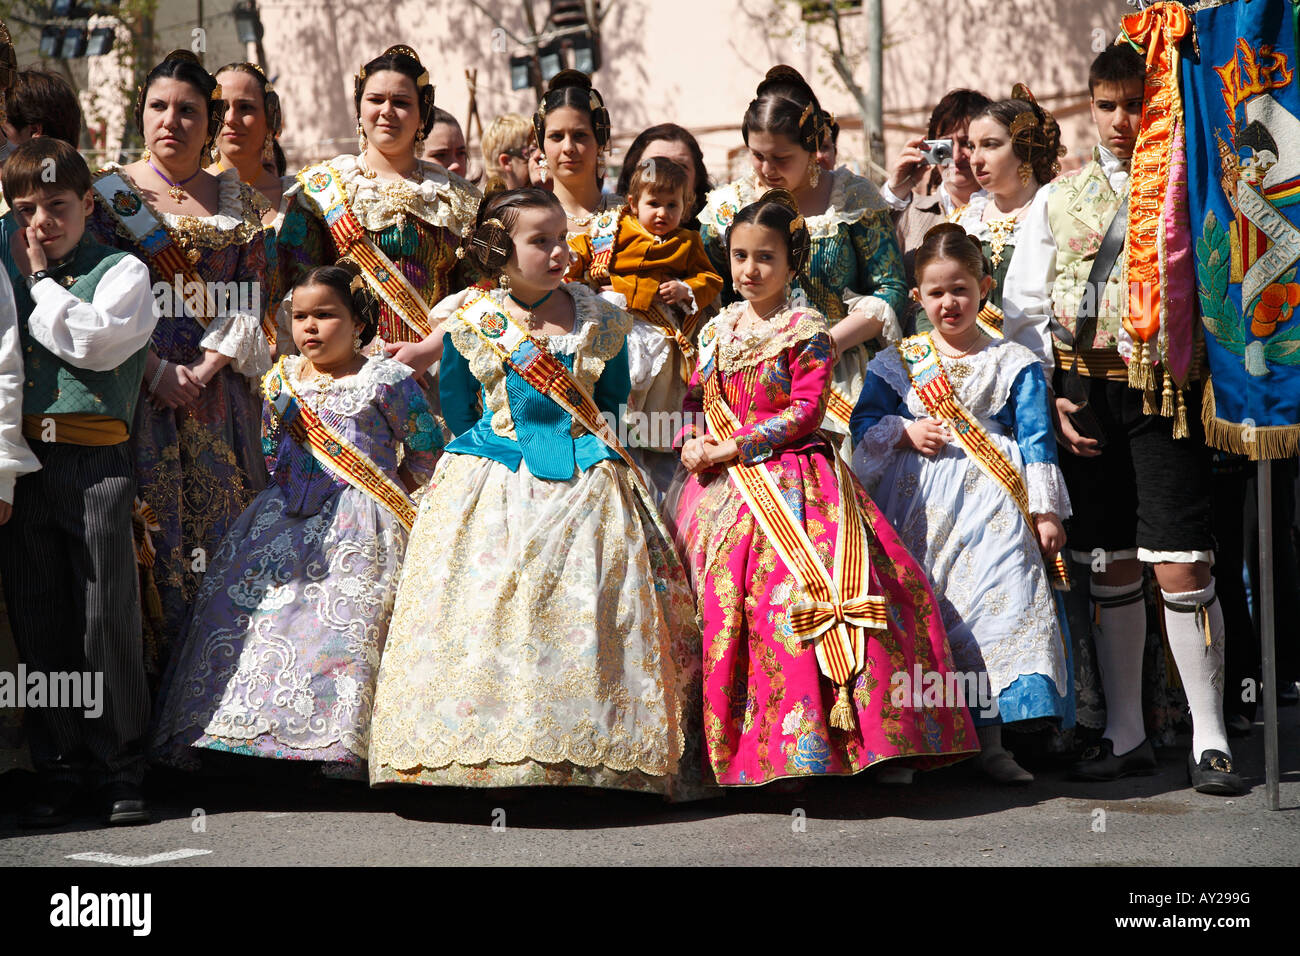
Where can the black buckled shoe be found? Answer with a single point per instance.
(1101, 763)
(124, 804)
(55, 803)
(1214, 774)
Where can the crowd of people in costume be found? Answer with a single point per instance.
(385, 515)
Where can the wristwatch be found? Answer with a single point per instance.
(36, 277)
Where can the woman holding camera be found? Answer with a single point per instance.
(944, 185)
(1017, 152)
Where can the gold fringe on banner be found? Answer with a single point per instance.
(1256, 443)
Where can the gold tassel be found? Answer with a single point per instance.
(842, 713)
(1203, 616)
(1167, 396)
(1180, 415)
(1137, 366)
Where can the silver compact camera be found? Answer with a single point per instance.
(938, 152)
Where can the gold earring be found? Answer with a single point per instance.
(356, 341)
(268, 150)
(504, 281)
(144, 156)
(545, 170)
(361, 139)
(1025, 171)
(814, 172)
(419, 142)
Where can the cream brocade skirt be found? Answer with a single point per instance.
(544, 633)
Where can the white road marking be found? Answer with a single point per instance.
(119, 859)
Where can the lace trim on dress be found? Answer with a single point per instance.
(647, 351)
(876, 307)
(440, 198)
(238, 218)
(239, 336)
(351, 395)
(599, 330)
(852, 197)
(744, 349)
(982, 382)
(877, 449)
(1047, 491)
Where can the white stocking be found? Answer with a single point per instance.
(1120, 637)
(1200, 663)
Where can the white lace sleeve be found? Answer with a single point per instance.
(877, 449)
(1047, 491)
(875, 307)
(239, 336)
(647, 351)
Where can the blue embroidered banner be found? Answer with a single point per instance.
(1242, 110)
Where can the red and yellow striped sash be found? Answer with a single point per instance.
(935, 391)
(321, 184)
(335, 452)
(836, 610)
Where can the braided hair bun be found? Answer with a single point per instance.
(778, 210)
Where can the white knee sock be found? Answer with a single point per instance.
(1200, 666)
(1120, 637)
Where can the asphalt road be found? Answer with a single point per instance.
(947, 817)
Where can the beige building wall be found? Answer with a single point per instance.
(694, 62)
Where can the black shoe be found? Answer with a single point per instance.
(1101, 763)
(54, 805)
(124, 804)
(1238, 725)
(1214, 774)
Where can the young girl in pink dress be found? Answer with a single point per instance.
(814, 613)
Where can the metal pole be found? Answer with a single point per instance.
(1264, 496)
(875, 94)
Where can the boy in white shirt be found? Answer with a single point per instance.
(84, 319)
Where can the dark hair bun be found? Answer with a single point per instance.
(569, 78)
(781, 78)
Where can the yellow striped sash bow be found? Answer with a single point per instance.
(936, 393)
(335, 452)
(838, 609)
(322, 186)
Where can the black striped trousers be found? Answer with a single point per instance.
(67, 561)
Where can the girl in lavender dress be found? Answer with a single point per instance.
(282, 650)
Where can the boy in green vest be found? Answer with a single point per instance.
(85, 318)
(1139, 494)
